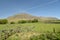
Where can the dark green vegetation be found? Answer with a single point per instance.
(3, 21)
(28, 21)
(12, 22)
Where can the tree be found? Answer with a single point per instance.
(34, 20)
(3, 21)
(12, 22)
(22, 21)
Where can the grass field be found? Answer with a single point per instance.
(36, 27)
(39, 27)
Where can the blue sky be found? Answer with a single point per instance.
(48, 8)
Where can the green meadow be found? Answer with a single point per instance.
(39, 27)
(30, 31)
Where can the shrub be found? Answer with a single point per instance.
(34, 20)
(3, 21)
(29, 21)
(12, 22)
(22, 21)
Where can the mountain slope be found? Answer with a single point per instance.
(25, 16)
(22, 16)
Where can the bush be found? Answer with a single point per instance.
(35, 20)
(22, 21)
(3, 21)
(12, 22)
(29, 21)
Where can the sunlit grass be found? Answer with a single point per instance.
(39, 27)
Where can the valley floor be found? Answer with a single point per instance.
(39, 27)
(26, 30)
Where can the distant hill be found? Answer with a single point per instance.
(25, 16)
(22, 16)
